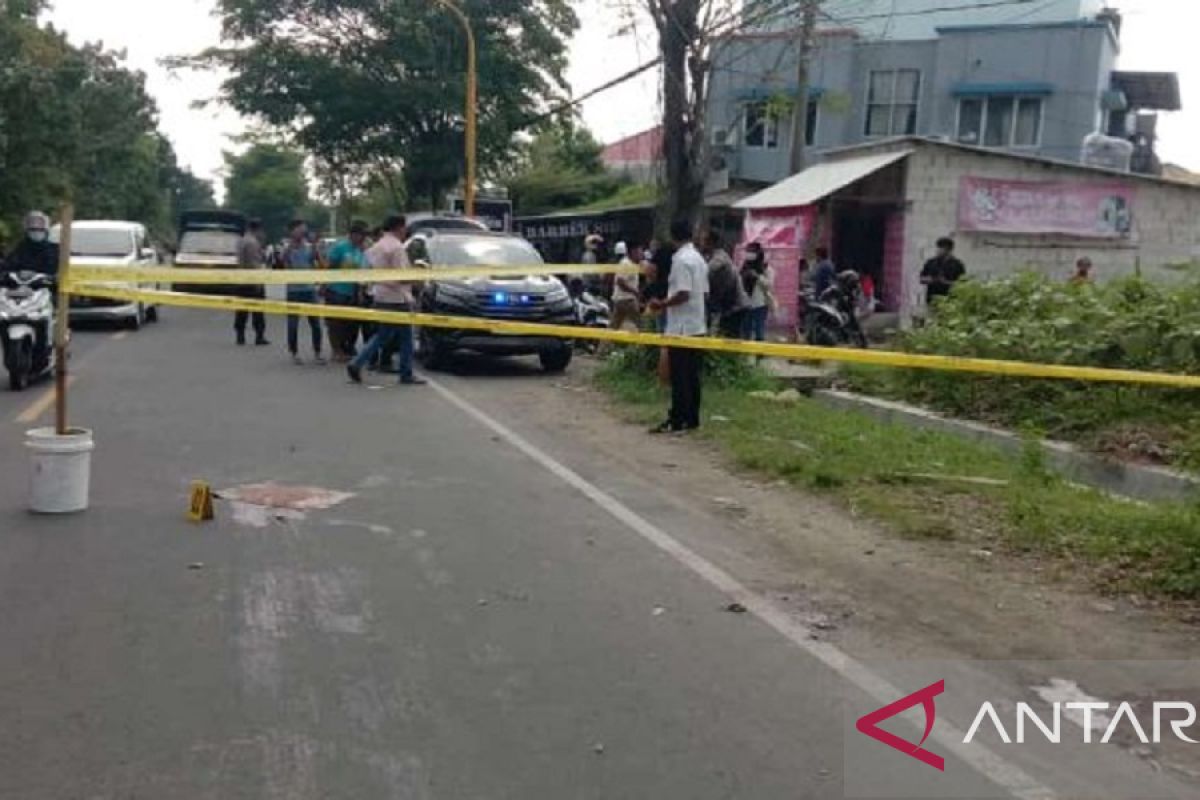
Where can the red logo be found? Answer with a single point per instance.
(870, 725)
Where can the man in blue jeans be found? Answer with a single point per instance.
(389, 253)
(302, 254)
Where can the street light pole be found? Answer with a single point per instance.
(472, 105)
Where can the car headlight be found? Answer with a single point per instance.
(557, 295)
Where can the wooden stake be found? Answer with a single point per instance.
(62, 319)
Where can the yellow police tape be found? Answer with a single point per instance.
(1012, 369)
(229, 276)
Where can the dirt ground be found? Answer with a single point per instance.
(928, 593)
(878, 596)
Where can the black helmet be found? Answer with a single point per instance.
(848, 280)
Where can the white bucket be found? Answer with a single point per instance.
(60, 470)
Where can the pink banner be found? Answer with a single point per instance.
(779, 228)
(1097, 211)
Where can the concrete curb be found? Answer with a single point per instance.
(1127, 480)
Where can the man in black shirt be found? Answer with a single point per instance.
(35, 253)
(656, 288)
(942, 272)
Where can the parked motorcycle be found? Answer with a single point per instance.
(26, 326)
(832, 319)
(591, 311)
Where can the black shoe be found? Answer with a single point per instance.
(666, 427)
(261, 342)
(354, 372)
(241, 340)
(413, 381)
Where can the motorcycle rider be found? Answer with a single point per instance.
(35, 253)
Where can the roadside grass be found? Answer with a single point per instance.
(933, 486)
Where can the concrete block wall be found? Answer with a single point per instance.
(1166, 224)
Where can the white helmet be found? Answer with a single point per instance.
(37, 221)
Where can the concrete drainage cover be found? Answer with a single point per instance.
(258, 505)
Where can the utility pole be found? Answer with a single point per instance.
(472, 109)
(805, 45)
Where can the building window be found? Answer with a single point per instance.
(762, 127)
(1000, 121)
(892, 99)
(810, 123)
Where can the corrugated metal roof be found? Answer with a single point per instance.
(822, 180)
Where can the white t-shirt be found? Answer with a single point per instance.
(689, 273)
(764, 288)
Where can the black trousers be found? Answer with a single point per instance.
(241, 318)
(686, 368)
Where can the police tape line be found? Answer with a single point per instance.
(1012, 369)
(78, 276)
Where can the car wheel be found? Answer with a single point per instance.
(135, 322)
(432, 355)
(556, 360)
(152, 314)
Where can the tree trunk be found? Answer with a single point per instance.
(678, 34)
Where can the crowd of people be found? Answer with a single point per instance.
(683, 288)
(362, 248)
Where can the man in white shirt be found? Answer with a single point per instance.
(389, 253)
(685, 308)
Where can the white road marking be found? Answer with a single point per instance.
(1064, 691)
(996, 769)
(116, 337)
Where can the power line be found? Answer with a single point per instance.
(776, 10)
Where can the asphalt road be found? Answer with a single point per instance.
(476, 619)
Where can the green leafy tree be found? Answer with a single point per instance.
(76, 123)
(378, 87)
(560, 168)
(268, 182)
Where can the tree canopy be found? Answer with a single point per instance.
(75, 122)
(268, 182)
(559, 168)
(371, 86)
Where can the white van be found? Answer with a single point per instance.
(106, 243)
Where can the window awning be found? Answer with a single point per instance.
(822, 180)
(1036, 88)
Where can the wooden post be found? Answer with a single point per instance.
(62, 319)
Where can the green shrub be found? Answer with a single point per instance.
(1126, 324)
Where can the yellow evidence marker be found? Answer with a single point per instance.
(201, 508)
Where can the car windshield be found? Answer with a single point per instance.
(101, 242)
(209, 243)
(484, 251)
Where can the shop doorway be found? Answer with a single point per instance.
(859, 238)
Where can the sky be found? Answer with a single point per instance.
(1158, 35)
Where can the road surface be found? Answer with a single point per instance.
(486, 611)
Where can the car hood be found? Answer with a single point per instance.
(532, 283)
(204, 259)
(104, 261)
